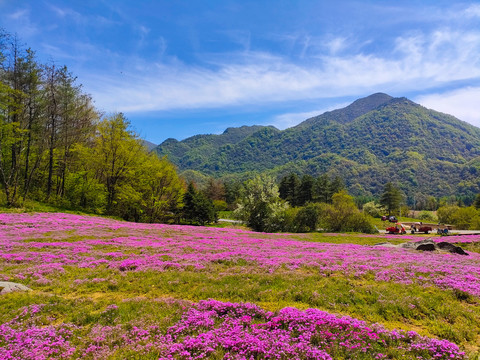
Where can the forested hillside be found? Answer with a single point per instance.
(56, 147)
(368, 143)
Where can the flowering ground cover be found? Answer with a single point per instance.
(100, 288)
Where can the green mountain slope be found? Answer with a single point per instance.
(370, 142)
(194, 151)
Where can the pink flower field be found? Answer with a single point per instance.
(45, 243)
(40, 249)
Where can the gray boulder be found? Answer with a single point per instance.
(7, 287)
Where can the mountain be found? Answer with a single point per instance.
(149, 145)
(196, 150)
(374, 140)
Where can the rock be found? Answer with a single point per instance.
(408, 245)
(385, 244)
(426, 247)
(7, 287)
(458, 250)
(446, 246)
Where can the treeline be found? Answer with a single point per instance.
(299, 191)
(463, 217)
(263, 209)
(55, 147)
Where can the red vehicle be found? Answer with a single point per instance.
(397, 229)
(419, 227)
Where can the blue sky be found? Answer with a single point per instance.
(180, 68)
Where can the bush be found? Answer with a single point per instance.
(220, 205)
(361, 223)
(307, 218)
(289, 219)
(463, 218)
(343, 215)
(427, 215)
(261, 207)
(445, 214)
(374, 210)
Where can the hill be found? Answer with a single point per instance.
(149, 145)
(374, 140)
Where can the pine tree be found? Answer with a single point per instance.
(391, 198)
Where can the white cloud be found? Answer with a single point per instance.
(69, 13)
(287, 120)
(462, 103)
(20, 14)
(21, 19)
(473, 11)
(416, 62)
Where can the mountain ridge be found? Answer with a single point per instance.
(369, 142)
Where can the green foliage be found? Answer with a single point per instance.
(370, 142)
(261, 207)
(55, 148)
(289, 189)
(233, 192)
(197, 208)
(373, 209)
(446, 214)
(426, 215)
(464, 217)
(220, 205)
(476, 203)
(461, 217)
(391, 198)
(84, 191)
(307, 218)
(343, 215)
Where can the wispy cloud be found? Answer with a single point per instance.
(418, 62)
(21, 18)
(473, 11)
(287, 120)
(19, 14)
(462, 103)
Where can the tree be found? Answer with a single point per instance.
(476, 202)
(373, 209)
(197, 208)
(233, 190)
(261, 204)
(307, 218)
(11, 135)
(117, 154)
(305, 193)
(215, 189)
(321, 191)
(323, 188)
(289, 189)
(343, 215)
(391, 198)
(335, 186)
(163, 189)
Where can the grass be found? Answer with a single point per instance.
(82, 296)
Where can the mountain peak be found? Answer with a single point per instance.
(349, 113)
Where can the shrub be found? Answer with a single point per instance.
(289, 219)
(220, 205)
(463, 217)
(426, 215)
(307, 218)
(373, 209)
(343, 215)
(445, 213)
